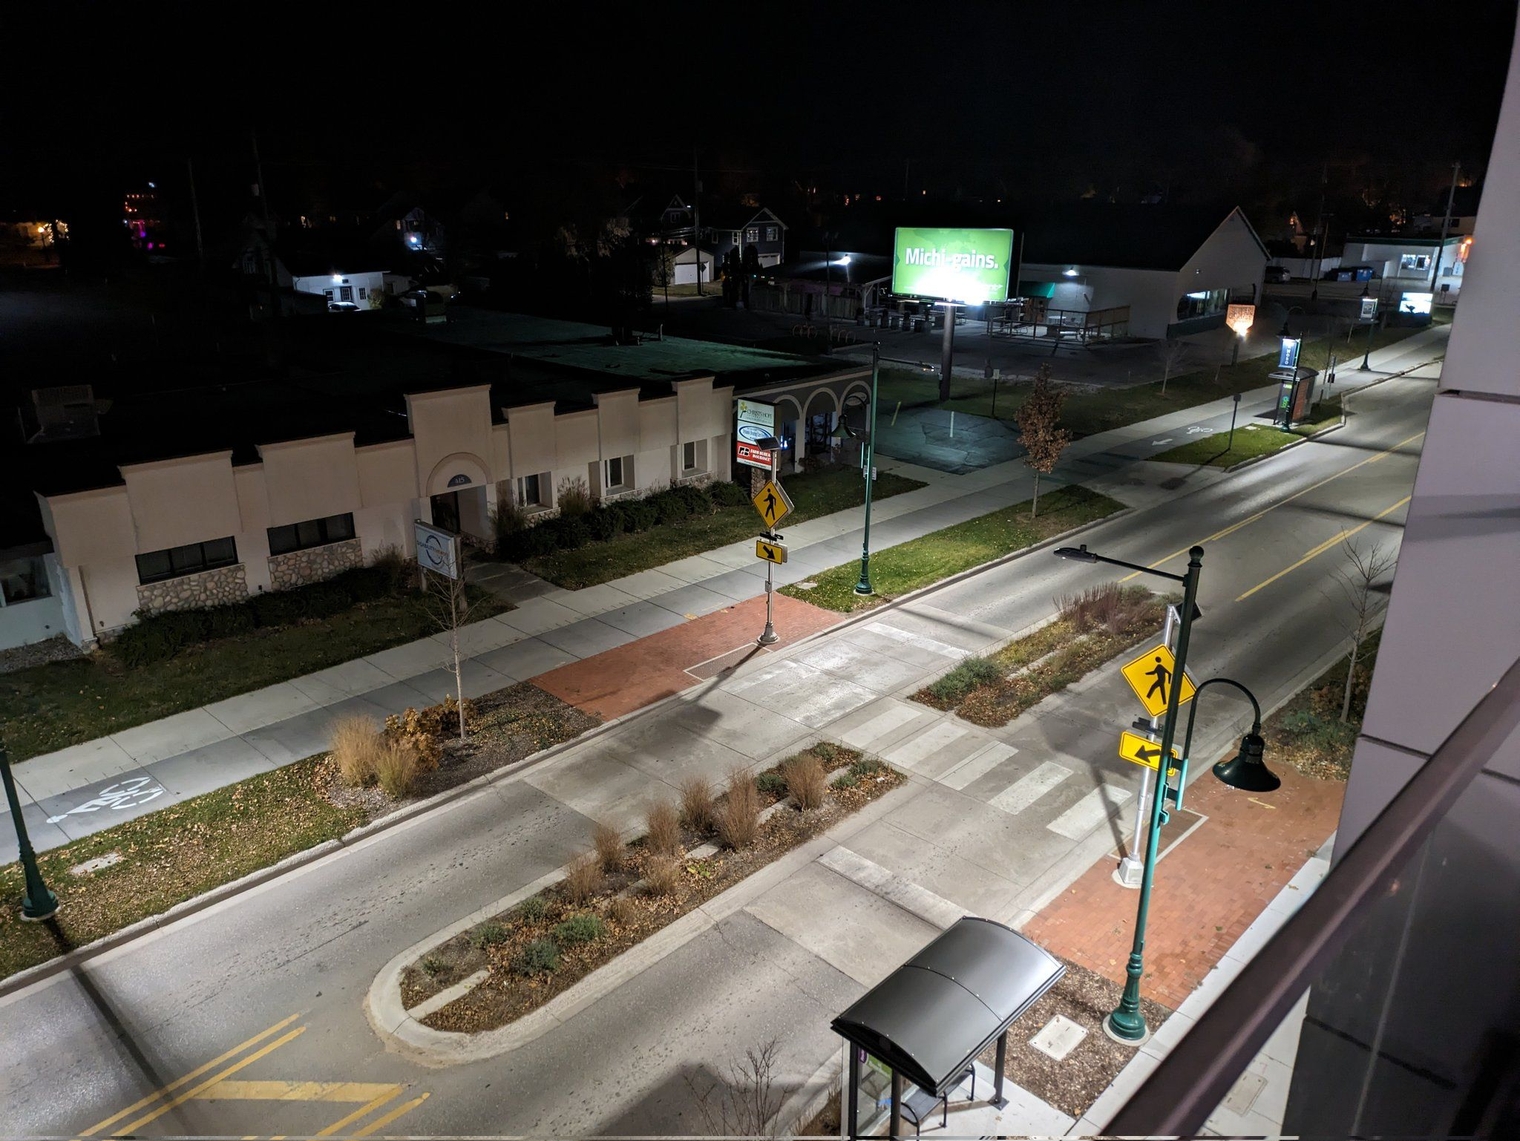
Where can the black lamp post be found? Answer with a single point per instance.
(38, 902)
(867, 463)
(1371, 325)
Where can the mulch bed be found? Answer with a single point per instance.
(1074, 1083)
(628, 913)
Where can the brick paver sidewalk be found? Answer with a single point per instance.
(1208, 889)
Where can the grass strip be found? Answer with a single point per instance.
(1251, 440)
(52, 706)
(167, 857)
(813, 495)
(940, 554)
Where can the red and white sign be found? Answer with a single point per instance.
(747, 453)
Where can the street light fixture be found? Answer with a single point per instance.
(1371, 325)
(867, 465)
(1125, 1023)
(38, 903)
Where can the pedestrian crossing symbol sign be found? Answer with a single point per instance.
(770, 551)
(1150, 676)
(772, 504)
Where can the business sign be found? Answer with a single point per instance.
(745, 453)
(437, 549)
(953, 265)
(1287, 356)
(1369, 308)
(754, 421)
(1240, 318)
(1415, 303)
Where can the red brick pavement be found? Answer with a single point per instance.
(632, 676)
(1208, 889)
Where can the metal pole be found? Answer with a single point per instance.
(696, 219)
(894, 1126)
(38, 902)
(1234, 411)
(1435, 267)
(769, 637)
(1131, 866)
(195, 207)
(853, 1093)
(1125, 1023)
(947, 353)
(868, 451)
(1371, 325)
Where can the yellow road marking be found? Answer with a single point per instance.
(400, 1111)
(1233, 527)
(232, 1069)
(1323, 547)
(191, 1076)
(352, 1092)
(362, 1111)
(1263, 803)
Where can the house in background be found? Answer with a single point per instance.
(317, 263)
(743, 228)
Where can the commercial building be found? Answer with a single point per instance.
(1411, 264)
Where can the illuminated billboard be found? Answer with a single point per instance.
(953, 265)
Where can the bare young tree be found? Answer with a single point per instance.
(1173, 354)
(1359, 579)
(448, 604)
(741, 1101)
(1040, 430)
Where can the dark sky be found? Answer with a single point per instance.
(971, 95)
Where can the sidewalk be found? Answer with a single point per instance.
(81, 789)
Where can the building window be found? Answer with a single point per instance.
(734, 238)
(191, 559)
(689, 456)
(529, 491)
(312, 533)
(328, 293)
(1414, 261)
(22, 580)
(613, 474)
(772, 233)
(346, 293)
(364, 293)
(752, 234)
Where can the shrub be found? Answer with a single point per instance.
(623, 911)
(571, 532)
(664, 824)
(355, 747)
(572, 497)
(865, 767)
(771, 784)
(697, 501)
(507, 520)
(391, 567)
(662, 874)
(1110, 607)
(609, 845)
(830, 753)
(488, 934)
(396, 767)
(738, 818)
(971, 673)
(582, 928)
(697, 804)
(532, 909)
(805, 780)
(540, 957)
(639, 514)
(670, 507)
(143, 644)
(279, 608)
(228, 621)
(583, 878)
(726, 494)
(603, 524)
(324, 599)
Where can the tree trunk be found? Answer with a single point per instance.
(1034, 505)
(1166, 373)
(1351, 676)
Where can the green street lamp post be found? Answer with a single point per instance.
(867, 462)
(38, 902)
(1125, 1023)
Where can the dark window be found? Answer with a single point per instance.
(346, 293)
(615, 475)
(689, 461)
(528, 494)
(192, 559)
(22, 580)
(771, 234)
(311, 533)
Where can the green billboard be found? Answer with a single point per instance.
(953, 265)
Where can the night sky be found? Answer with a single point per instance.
(1200, 100)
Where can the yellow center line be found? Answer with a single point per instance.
(400, 1111)
(1233, 527)
(230, 1070)
(191, 1076)
(362, 1111)
(1323, 547)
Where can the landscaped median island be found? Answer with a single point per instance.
(1252, 440)
(588, 545)
(183, 659)
(617, 895)
(116, 877)
(923, 561)
(1092, 629)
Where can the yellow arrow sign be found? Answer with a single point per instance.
(1139, 751)
(772, 503)
(1150, 676)
(770, 552)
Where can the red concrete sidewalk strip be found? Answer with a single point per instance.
(1208, 889)
(632, 676)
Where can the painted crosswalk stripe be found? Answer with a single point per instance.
(893, 717)
(926, 744)
(977, 765)
(1085, 815)
(922, 641)
(1029, 788)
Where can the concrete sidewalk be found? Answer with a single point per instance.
(84, 788)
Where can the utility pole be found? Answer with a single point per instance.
(907, 164)
(195, 206)
(1319, 218)
(696, 217)
(1435, 263)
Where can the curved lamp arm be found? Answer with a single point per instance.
(1187, 741)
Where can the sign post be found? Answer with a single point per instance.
(773, 506)
(1132, 866)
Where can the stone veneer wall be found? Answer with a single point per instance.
(314, 564)
(218, 587)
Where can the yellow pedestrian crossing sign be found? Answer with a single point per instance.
(771, 552)
(772, 503)
(1137, 750)
(1150, 676)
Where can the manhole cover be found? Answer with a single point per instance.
(1244, 1092)
(96, 864)
(1059, 1037)
(804, 585)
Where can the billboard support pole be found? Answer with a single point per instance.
(947, 352)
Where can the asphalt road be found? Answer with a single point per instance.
(272, 982)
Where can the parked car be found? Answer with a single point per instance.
(344, 307)
(1278, 275)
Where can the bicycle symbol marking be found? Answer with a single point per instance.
(124, 794)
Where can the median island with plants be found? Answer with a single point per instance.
(618, 894)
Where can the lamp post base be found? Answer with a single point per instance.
(1124, 1035)
(44, 908)
(1129, 872)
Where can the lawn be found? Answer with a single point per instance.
(1251, 440)
(167, 857)
(922, 561)
(813, 495)
(52, 706)
(1087, 413)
